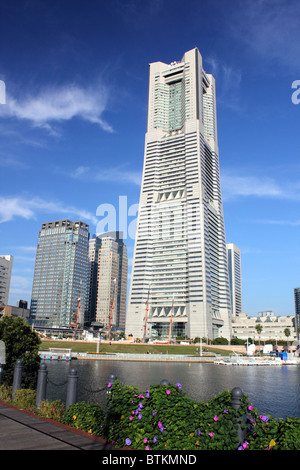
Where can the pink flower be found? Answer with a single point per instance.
(168, 392)
(216, 418)
(211, 434)
(147, 448)
(145, 440)
(250, 407)
(130, 418)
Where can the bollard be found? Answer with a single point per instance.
(164, 382)
(236, 401)
(72, 387)
(236, 398)
(17, 377)
(41, 384)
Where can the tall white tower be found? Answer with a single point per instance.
(235, 277)
(180, 262)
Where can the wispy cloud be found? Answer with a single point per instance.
(54, 105)
(228, 80)
(271, 28)
(14, 207)
(114, 174)
(290, 223)
(234, 186)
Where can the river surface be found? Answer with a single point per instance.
(272, 390)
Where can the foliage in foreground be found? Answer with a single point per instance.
(20, 343)
(163, 418)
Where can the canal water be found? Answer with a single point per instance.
(272, 390)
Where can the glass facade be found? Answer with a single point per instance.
(60, 275)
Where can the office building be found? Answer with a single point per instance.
(6, 263)
(108, 280)
(180, 260)
(273, 327)
(60, 274)
(235, 277)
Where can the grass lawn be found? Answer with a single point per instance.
(78, 346)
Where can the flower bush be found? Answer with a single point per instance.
(163, 418)
(86, 417)
(51, 409)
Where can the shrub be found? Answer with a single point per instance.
(25, 399)
(162, 418)
(5, 392)
(51, 409)
(86, 417)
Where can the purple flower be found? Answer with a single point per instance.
(159, 424)
(178, 385)
(127, 441)
(147, 394)
(140, 416)
(264, 418)
(154, 439)
(199, 432)
(141, 405)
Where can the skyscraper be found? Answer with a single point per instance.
(6, 262)
(108, 279)
(235, 277)
(180, 261)
(60, 274)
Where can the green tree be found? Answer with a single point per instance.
(287, 333)
(259, 330)
(20, 343)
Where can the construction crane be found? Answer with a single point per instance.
(146, 317)
(170, 327)
(111, 310)
(75, 323)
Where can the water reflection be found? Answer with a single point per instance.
(272, 390)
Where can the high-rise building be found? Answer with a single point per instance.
(60, 274)
(180, 260)
(108, 280)
(6, 262)
(235, 277)
(297, 310)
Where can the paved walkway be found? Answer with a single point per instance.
(20, 430)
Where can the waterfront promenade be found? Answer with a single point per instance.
(22, 430)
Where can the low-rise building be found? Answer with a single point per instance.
(273, 326)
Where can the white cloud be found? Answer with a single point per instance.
(114, 174)
(12, 207)
(53, 105)
(271, 28)
(234, 186)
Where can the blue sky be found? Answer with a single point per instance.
(73, 124)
